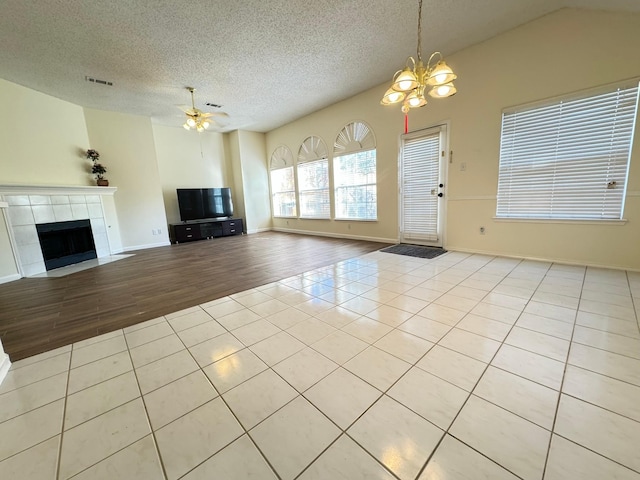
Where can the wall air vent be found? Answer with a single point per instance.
(96, 80)
(214, 105)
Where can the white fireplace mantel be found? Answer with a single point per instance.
(26, 206)
(11, 189)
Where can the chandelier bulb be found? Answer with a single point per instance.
(191, 122)
(443, 91)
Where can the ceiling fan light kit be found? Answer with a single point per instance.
(196, 118)
(409, 85)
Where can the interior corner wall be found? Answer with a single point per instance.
(564, 52)
(127, 150)
(188, 159)
(255, 181)
(235, 162)
(8, 268)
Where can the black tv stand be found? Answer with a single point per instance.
(204, 229)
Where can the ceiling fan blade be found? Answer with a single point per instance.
(214, 114)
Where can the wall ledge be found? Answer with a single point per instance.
(11, 189)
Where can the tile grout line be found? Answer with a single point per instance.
(383, 393)
(144, 405)
(311, 403)
(470, 394)
(246, 432)
(564, 374)
(64, 415)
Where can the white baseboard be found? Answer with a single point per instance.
(144, 247)
(5, 363)
(335, 235)
(540, 259)
(10, 278)
(259, 230)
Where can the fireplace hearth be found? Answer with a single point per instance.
(66, 243)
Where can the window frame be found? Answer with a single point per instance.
(366, 185)
(326, 190)
(574, 176)
(275, 193)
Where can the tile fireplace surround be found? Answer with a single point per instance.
(28, 206)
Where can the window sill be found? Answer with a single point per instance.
(370, 220)
(314, 218)
(287, 218)
(566, 221)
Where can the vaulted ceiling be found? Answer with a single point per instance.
(266, 62)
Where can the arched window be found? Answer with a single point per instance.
(283, 185)
(354, 173)
(313, 179)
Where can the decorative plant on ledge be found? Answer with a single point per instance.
(97, 168)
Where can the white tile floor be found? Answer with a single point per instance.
(383, 366)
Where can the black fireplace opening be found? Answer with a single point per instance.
(66, 243)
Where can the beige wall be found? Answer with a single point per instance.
(564, 52)
(127, 150)
(187, 159)
(255, 181)
(42, 139)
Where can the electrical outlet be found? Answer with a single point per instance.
(482, 231)
(463, 167)
(349, 226)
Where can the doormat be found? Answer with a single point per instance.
(414, 250)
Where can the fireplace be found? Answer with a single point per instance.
(66, 243)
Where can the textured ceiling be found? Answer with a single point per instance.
(267, 62)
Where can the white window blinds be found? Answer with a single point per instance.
(313, 185)
(568, 159)
(420, 170)
(283, 194)
(355, 186)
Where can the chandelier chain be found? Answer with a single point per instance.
(420, 31)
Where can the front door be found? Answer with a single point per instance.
(423, 160)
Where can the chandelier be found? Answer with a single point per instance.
(408, 86)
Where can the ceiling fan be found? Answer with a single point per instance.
(198, 119)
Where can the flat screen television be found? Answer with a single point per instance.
(202, 203)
